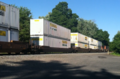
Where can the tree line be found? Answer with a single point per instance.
(63, 16)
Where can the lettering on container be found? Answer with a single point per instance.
(85, 38)
(40, 39)
(94, 47)
(54, 27)
(64, 43)
(2, 33)
(2, 8)
(86, 45)
(74, 34)
(36, 20)
(76, 44)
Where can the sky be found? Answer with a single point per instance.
(105, 13)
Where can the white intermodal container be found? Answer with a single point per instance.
(84, 41)
(4, 14)
(47, 28)
(99, 47)
(49, 41)
(93, 41)
(81, 45)
(14, 17)
(99, 43)
(40, 40)
(91, 47)
(77, 37)
(9, 16)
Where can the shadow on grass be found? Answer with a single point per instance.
(50, 70)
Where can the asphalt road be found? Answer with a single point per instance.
(60, 66)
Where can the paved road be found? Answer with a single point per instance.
(60, 66)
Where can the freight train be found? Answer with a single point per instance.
(46, 33)
(24, 47)
(45, 36)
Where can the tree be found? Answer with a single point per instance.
(87, 27)
(102, 36)
(25, 16)
(115, 46)
(63, 16)
(45, 17)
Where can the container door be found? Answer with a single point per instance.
(4, 14)
(3, 34)
(14, 35)
(14, 17)
(35, 40)
(46, 41)
(46, 27)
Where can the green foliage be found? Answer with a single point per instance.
(115, 54)
(25, 16)
(62, 15)
(87, 27)
(110, 47)
(115, 45)
(45, 17)
(102, 36)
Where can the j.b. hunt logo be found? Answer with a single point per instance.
(64, 43)
(2, 9)
(54, 27)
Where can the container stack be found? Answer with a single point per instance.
(82, 41)
(46, 33)
(9, 23)
(79, 40)
(93, 43)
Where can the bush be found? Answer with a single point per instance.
(115, 54)
(115, 45)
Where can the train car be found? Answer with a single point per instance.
(48, 34)
(9, 23)
(80, 41)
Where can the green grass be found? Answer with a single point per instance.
(3, 53)
(54, 52)
(115, 54)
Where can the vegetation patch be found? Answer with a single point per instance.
(115, 54)
(3, 53)
(54, 52)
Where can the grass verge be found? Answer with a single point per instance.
(3, 53)
(115, 54)
(54, 52)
